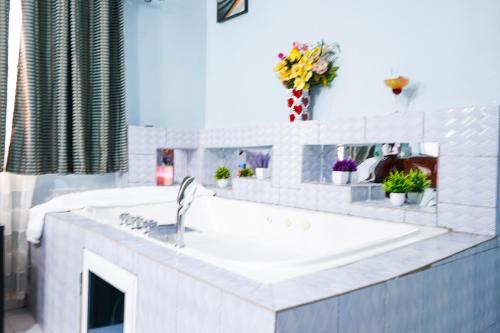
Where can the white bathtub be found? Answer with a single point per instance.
(269, 243)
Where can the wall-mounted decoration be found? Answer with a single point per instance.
(305, 67)
(228, 9)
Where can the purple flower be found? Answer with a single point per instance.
(346, 166)
(261, 161)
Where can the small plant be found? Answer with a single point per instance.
(222, 173)
(397, 182)
(245, 172)
(419, 181)
(345, 166)
(261, 161)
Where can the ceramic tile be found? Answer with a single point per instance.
(451, 295)
(317, 317)
(343, 131)
(486, 289)
(244, 317)
(379, 213)
(142, 169)
(478, 220)
(306, 197)
(363, 310)
(468, 180)
(199, 306)
(403, 127)
(471, 131)
(145, 140)
(425, 219)
(335, 199)
(156, 297)
(182, 138)
(404, 304)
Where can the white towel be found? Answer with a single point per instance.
(114, 197)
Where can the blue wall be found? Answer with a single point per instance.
(449, 48)
(165, 59)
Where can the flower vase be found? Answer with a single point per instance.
(298, 105)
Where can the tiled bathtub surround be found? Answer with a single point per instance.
(445, 284)
(468, 163)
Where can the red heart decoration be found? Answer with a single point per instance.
(290, 102)
(292, 118)
(305, 101)
(297, 93)
(298, 109)
(305, 116)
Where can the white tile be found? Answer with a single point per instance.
(396, 127)
(199, 306)
(421, 218)
(145, 140)
(244, 317)
(471, 131)
(182, 138)
(468, 180)
(342, 131)
(379, 213)
(477, 220)
(336, 199)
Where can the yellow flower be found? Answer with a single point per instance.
(294, 55)
(279, 66)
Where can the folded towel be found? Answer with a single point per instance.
(115, 197)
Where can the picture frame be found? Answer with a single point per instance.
(229, 9)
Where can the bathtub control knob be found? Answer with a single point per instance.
(288, 223)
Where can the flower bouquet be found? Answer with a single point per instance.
(305, 67)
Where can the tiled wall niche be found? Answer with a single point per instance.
(468, 162)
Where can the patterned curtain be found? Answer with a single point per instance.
(4, 69)
(69, 116)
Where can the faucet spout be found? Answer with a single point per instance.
(185, 197)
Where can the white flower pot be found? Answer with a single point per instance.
(353, 177)
(340, 177)
(414, 198)
(397, 199)
(222, 183)
(262, 173)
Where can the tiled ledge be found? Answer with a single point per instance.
(291, 293)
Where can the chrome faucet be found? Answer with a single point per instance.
(185, 197)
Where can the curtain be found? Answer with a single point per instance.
(69, 116)
(16, 192)
(4, 70)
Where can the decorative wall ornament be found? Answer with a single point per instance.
(228, 9)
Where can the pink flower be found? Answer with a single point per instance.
(320, 67)
(305, 47)
(297, 45)
(281, 56)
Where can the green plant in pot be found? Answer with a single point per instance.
(245, 172)
(397, 184)
(222, 175)
(419, 183)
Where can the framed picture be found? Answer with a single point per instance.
(228, 9)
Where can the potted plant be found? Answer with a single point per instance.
(245, 172)
(343, 172)
(261, 165)
(397, 184)
(419, 183)
(305, 67)
(222, 175)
